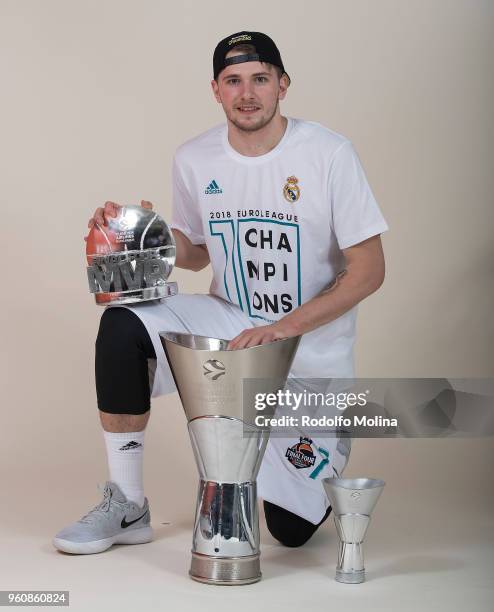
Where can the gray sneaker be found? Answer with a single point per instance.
(114, 521)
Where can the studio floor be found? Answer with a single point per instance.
(419, 555)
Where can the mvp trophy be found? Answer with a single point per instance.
(130, 258)
(228, 448)
(352, 500)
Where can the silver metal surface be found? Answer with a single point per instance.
(225, 543)
(216, 387)
(222, 450)
(130, 259)
(226, 522)
(355, 577)
(352, 500)
(225, 572)
(139, 295)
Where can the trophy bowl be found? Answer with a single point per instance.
(130, 259)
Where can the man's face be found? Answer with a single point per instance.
(249, 93)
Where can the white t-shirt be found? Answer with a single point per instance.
(275, 225)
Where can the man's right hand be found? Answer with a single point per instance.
(110, 209)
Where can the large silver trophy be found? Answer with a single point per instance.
(228, 448)
(352, 500)
(130, 259)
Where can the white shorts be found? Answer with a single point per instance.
(282, 480)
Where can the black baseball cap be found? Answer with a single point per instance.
(266, 51)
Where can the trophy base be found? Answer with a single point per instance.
(350, 577)
(225, 571)
(135, 296)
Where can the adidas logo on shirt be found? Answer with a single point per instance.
(213, 188)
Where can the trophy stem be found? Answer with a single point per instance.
(225, 545)
(350, 567)
(351, 529)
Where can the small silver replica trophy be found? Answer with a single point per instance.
(227, 447)
(352, 500)
(130, 259)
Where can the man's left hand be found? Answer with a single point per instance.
(260, 335)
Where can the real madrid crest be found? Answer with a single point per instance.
(291, 191)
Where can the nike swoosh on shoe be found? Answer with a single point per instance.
(125, 524)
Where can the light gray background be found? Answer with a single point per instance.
(95, 97)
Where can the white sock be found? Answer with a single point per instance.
(125, 453)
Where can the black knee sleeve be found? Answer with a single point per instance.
(123, 347)
(288, 528)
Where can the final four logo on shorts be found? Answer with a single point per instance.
(301, 455)
(291, 190)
